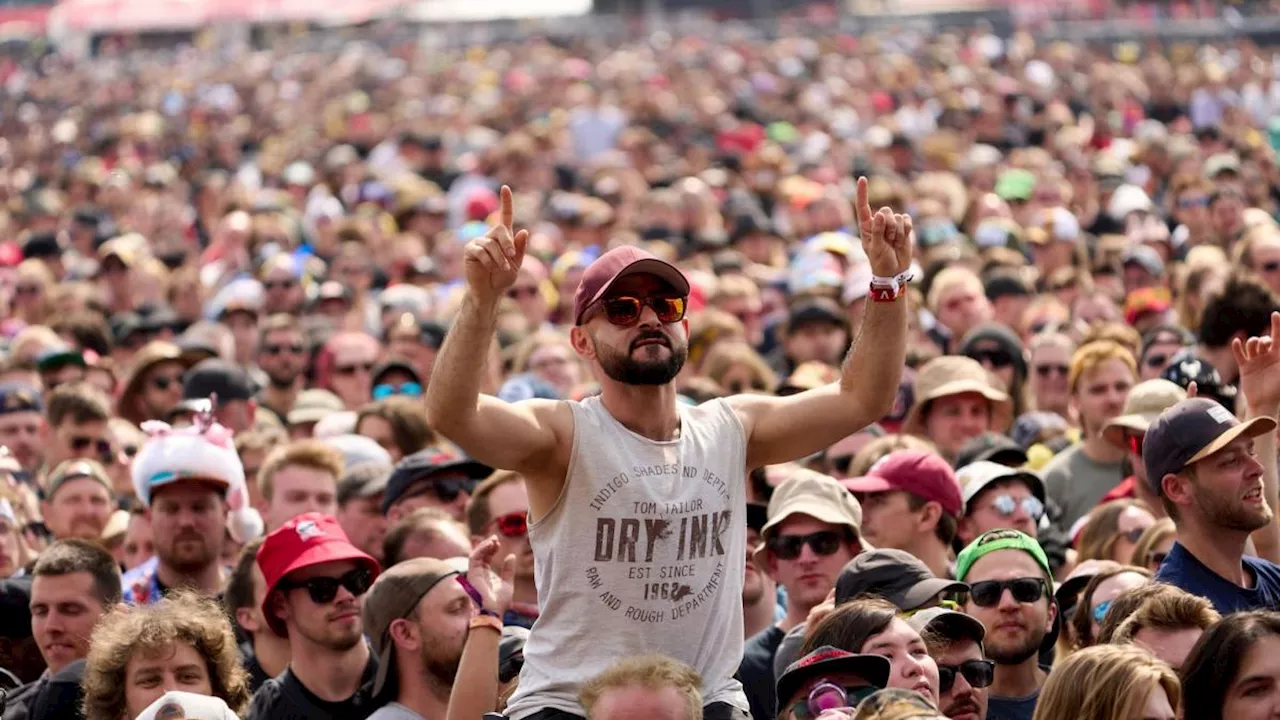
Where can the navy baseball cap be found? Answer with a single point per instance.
(424, 465)
(1191, 431)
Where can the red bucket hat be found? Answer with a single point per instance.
(306, 540)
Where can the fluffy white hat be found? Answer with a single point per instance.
(203, 450)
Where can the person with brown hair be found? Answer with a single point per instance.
(500, 507)
(1095, 601)
(1112, 531)
(139, 653)
(398, 424)
(297, 478)
(264, 653)
(1167, 625)
(75, 425)
(1110, 682)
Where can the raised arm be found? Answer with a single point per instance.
(781, 429)
(511, 436)
(1259, 361)
(476, 687)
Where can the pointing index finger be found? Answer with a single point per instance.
(508, 213)
(862, 207)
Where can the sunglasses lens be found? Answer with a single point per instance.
(1004, 505)
(978, 673)
(622, 311)
(513, 525)
(824, 543)
(946, 678)
(1025, 590)
(985, 593)
(411, 389)
(1033, 508)
(669, 310)
(381, 392)
(322, 590)
(787, 548)
(357, 582)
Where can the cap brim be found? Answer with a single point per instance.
(875, 669)
(926, 590)
(1114, 431)
(952, 625)
(1251, 429)
(220, 484)
(661, 269)
(974, 488)
(298, 417)
(1002, 406)
(813, 508)
(867, 484)
(470, 468)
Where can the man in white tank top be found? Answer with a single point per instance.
(637, 503)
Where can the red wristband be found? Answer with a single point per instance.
(884, 294)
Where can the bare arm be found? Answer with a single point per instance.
(475, 690)
(781, 429)
(1259, 361)
(511, 436)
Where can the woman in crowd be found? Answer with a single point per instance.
(141, 652)
(872, 626)
(1103, 588)
(1110, 682)
(1154, 545)
(1233, 672)
(1113, 531)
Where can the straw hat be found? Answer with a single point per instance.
(955, 375)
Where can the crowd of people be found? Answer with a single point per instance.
(812, 378)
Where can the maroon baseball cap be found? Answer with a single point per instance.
(923, 474)
(617, 264)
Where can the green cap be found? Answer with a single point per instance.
(1015, 185)
(994, 540)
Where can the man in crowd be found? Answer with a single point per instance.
(315, 585)
(282, 355)
(911, 501)
(998, 497)
(500, 506)
(1168, 625)
(436, 477)
(650, 686)
(760, 607)
(418, 616)
(20, 419)
(813, 530)
(75, 425)
(1011, 594)
(359, 498)
(1145, 403)
(78, 500)
(265, 654)
(964, 672)
(300, 477)
(1101, 375)
(74, 583)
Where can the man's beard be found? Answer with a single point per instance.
(196, 555)
(1230, 514)
(657, 371)
(441, 658)
(1017, 654)
(281, 381)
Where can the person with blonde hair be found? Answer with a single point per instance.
(1154, 545)
(648, 685)
(139, 653)
(737, 368)
(959, 301)
(1099, 379)
(297, 478)
(1110, 682)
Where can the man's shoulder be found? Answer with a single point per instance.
(265, 700)
(394, 711)
(1058, 468)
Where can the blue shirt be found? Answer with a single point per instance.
(1182, 570)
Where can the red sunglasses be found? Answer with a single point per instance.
(513, 525)
(625, 311)
(1135, 444)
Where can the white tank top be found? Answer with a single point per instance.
(643, 552)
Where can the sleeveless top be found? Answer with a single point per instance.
(643, 552)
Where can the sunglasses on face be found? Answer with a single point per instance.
(1133, 535)
(446, 489)
(978, 673)
(1006, 506)
(1047, 370)
(281, 349)
(1100, 611)
(1271, 267)
(278, 284)
(162, 382)
(513, 525)
(353, 369)
(987, 593)
(1157, 360)
(386, 390)
(323, 590)
(994, 358)
(625, 311)
(27, 290)
(1187, 203)
(80, 443)
(789, 547)
(516, 293)
(840, 464)
(827, 696)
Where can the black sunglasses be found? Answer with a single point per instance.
(789, 547)
(994, 358)
(323, 590)
(162, 382)
(1157, 360)
(1047, 370)
(987, 593)
(80, 443)
(447, 489)
(353, 369)
(278, 349)
(978, 673)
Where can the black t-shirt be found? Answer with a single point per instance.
(257, 676)
(756, 672)
(286, 698)
(62, 696)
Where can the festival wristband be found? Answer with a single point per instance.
(475, 598)
(486, 621)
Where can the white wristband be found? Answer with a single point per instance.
(897, 282)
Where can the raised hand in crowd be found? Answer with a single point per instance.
(476, 689)
(1259, 362)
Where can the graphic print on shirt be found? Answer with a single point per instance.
(658, 561)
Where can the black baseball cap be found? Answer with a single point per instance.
(994, 447)
(894, 575)
(757, 516)
(219, 377)
(828, 660)
(41, 245)
(423, 465)
(1191, 431)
